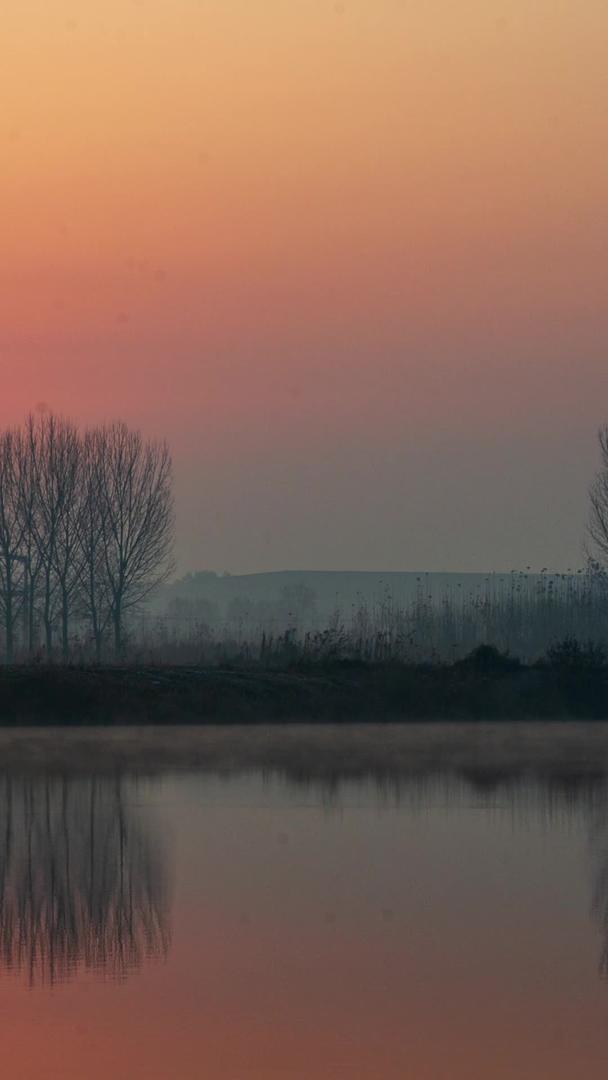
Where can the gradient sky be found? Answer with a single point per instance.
(350, 258)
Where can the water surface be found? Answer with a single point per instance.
(195, 911)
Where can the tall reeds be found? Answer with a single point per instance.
(520, 613)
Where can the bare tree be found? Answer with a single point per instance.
(597, 526)
(94, 586)
(86, 529)
(40, 439)
(28, 510)
(133, 482)
(53, 452)
(12, 562)
(67, 466)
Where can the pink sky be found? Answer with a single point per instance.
(349, 258)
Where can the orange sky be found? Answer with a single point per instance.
(318, 245)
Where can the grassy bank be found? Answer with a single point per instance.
(481, 688)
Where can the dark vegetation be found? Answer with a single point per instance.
(571, 681)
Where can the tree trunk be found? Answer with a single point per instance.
(65, 627)
(30, 618)
(48, 624)
(10, 636)
(97, 637)
(118, 631)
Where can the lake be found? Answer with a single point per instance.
(367, 902)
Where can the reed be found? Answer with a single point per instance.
(520, 613)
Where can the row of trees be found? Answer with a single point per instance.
(86, 532)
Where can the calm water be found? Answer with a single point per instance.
(258, 924)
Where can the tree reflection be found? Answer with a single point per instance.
(599, 857)
(82, 882)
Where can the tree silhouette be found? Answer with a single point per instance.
(135, 518)
(86, 530)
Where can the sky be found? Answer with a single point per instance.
(349, 258)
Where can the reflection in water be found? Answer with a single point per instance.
(554, 799)
(599, 855)
(338, 913)
(82, 882)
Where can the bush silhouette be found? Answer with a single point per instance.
(488, 660)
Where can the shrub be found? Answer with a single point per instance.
(570, 654)
(488, 660)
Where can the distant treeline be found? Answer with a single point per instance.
(523, 614)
